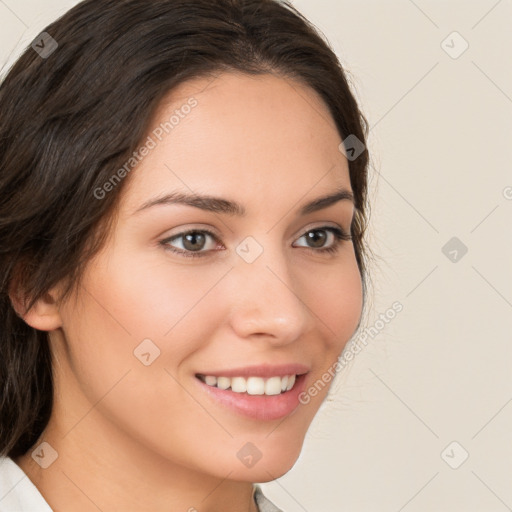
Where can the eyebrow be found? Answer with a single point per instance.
(220, 205)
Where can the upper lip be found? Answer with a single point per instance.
(264, 370)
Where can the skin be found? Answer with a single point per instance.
(136, 437)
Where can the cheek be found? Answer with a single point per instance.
(346, 304)
(117, 310)
(150, 297)
(129, 308)
(336, 299)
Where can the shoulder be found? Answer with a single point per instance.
(263, 503)
(17, 492)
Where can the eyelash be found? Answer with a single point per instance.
(339, 236)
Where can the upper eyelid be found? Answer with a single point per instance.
(213, 231)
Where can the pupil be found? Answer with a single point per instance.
(193, 237)
(318, 240)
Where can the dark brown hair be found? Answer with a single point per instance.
(71, 118)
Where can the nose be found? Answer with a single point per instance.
(265, 303)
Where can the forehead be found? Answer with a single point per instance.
(245, 136)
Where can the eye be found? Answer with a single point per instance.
(192, 242)
(319, 236)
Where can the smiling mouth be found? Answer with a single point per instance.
(251, 385)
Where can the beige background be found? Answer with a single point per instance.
(441, 130)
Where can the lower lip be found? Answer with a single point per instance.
(258, 407)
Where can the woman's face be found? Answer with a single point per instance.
(248, 295)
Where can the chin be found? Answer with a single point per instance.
(269, 467)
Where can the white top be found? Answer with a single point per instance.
(263, 503)
(19, 494)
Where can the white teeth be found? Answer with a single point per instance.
(223, 382)
(211, 381)
(291, 382)
(238, 385)
(255, 386)
(252, 385)
(273, 386)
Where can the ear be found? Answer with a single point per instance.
(44, 315)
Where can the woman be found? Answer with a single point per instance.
(182, 253)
